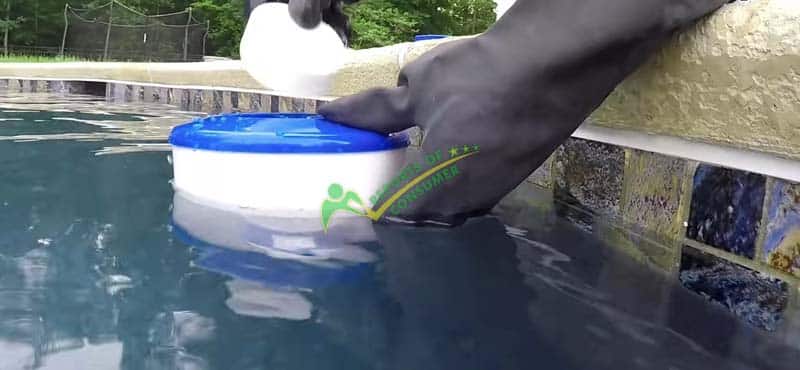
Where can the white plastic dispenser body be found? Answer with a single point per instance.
(281, 164)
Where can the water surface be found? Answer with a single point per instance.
(95, 273)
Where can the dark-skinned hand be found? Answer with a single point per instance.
(516, 92)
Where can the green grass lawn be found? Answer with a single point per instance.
(13, 58)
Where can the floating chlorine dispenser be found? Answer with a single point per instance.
(281, 164)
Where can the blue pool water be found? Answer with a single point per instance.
(99, 269)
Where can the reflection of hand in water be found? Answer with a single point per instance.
(463, 300)
(338, 200)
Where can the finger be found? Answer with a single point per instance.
(382, 110)
(249, 5)
(307, 13)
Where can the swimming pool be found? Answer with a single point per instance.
(96, 272)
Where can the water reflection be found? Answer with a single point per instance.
(487, 295)
(131, 127)
(102, 266)
(84, 242)
(276, 262)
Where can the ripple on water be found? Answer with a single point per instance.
(128, 127)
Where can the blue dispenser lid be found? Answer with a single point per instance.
(280, 133)
(428, 37)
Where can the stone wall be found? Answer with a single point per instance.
(733, 79)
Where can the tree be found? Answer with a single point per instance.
(465, 17)
(8, 24)
(40, 23)
(226, 18)
(384, 22)
(379, 23)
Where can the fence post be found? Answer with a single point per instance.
(186, 36)
(66, 27)
(8, 25)
(205, 37)
(108, 32)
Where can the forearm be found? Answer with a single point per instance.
(577, 51)
(578, 25)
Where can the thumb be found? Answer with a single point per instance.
(307, 13)
(381, 110)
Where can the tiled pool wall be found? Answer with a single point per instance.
(205, 100)
(732, 236)
(193, 100)
(729, 235)
(747, 218)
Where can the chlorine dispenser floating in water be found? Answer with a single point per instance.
(284, 165)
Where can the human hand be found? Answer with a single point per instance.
(309, 13)
(511, 96)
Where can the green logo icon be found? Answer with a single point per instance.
(419, 182)
(339, 200)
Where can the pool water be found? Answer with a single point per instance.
(98, 271)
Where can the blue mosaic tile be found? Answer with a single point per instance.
(274, 103)
(310, 105)
(217, 102)
(30, 86)
(726, 209)
(568, 207)
(750, 295)
(587, 181)
(256, 103)
(128, 94)
(150, 94)
(170, 98)
(291, 104)
(543, 176)
(782, 240)
(186, 99)
(234, 101)
(318, 104)
(591, 174)
(115, 92)
(196, 102)
(15, 85)
(157, 95)
(653, 193)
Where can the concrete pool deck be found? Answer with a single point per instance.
(212, 75)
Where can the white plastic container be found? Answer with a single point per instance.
(280, 164)
(285, 57)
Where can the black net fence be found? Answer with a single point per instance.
(115, 32)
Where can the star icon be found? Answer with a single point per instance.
(465, 149)
(453, 152)
(476, 148)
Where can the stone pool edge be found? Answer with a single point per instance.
(730, 80)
